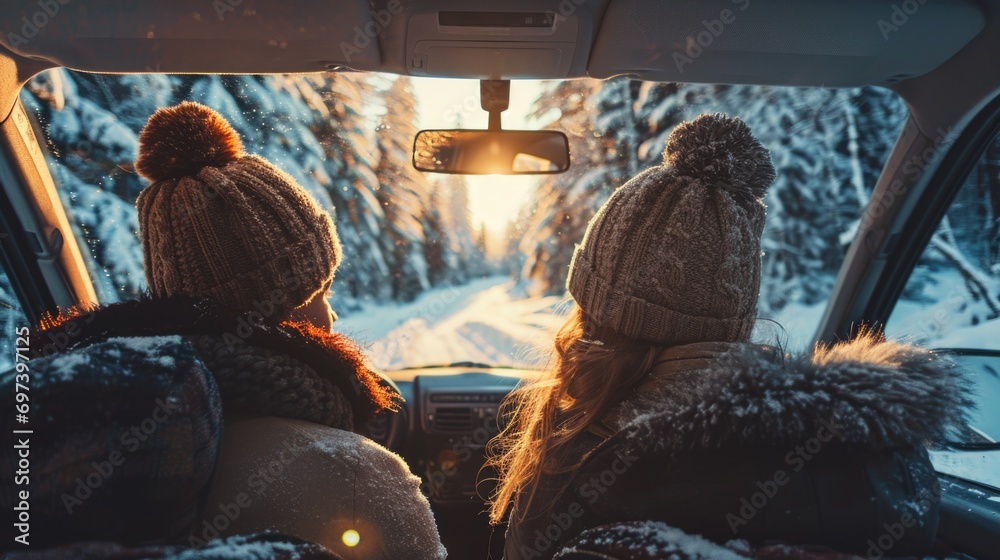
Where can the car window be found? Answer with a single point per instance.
(952, 300)
(12, 318)
(440, 269)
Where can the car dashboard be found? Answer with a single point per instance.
(448, 416)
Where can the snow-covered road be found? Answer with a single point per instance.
(484, 321)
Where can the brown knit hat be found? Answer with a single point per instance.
(221, 224)
(674, 256)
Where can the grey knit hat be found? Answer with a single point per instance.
(673, 257)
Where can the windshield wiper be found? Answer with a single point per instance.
(977, 446)
(979, 441)
(474, 365)
(478, 365)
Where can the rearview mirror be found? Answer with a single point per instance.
(480, 152)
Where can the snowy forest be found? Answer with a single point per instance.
(828, 146)
(347, 139)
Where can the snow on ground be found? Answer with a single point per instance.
(485, 321)
(493, 322)
(980, 466)
(795, 329)
(948, 319)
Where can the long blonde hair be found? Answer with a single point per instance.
(594, 369)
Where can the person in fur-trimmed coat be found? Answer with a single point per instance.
(660, 410)
(239, 260)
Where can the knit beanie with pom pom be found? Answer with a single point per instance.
(673, 257)
(219, 223)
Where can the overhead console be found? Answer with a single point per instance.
(511, 40)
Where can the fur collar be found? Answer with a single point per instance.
(869, 393)
(333, 356)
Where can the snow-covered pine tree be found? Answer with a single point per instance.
(513, 259)
(557, 213)
(351, 156)
(658, 110)
(618, 118)
(488, 266)
(458, 225)
(402, 192)
(441, 259)
(965, 242)
(11, 318)
(990, 169)
(92, 153)
(616, 128)
(828, 147)
(318, 128)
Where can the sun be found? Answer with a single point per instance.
(494, 200)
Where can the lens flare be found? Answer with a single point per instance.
(351, 537)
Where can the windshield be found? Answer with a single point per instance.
(440, 269)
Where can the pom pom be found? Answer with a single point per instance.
(179, 141)
(721, 151)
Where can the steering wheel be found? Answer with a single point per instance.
(387, 428)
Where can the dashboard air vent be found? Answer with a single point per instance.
(453, 419)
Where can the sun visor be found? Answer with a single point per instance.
(191, 36)
(831, 43)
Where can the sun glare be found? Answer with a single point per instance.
(351, 537)
(494, 200)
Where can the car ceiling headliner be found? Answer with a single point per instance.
(779, 42)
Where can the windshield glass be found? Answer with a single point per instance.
(440, 269)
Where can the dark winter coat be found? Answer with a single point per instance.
(291, 397)
(742, 442)
(111, 428)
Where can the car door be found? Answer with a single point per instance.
(951, 302)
